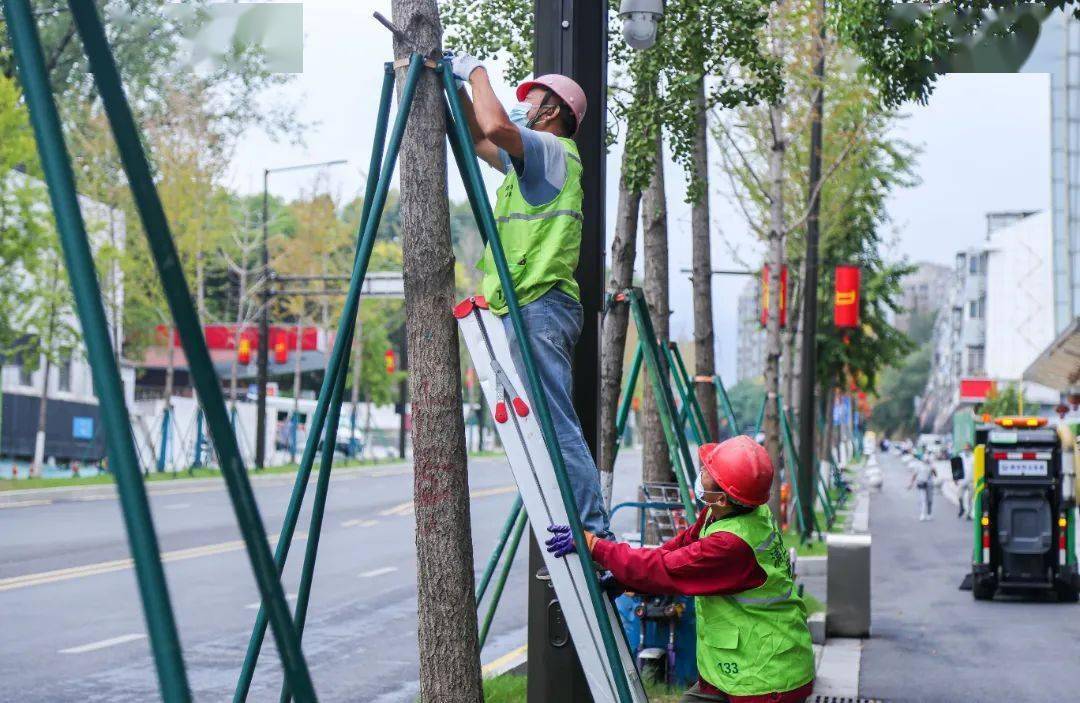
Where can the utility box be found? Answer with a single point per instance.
(848, 586)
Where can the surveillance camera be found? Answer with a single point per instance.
(639, 18)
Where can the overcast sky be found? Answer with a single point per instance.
(984, 140)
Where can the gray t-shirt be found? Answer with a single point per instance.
(542, 169)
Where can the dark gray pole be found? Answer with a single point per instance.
(571, 39)
(264, 330)
(807, 377)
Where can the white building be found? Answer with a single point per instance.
(998, 318)
(750, 353)
(1020, 301)
(73, 428)
(923, 290)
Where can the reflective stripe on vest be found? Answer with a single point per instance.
(539, 215)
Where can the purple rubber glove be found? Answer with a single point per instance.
(562, 541)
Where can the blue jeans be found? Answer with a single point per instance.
(553, 323)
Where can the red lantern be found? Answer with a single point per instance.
(281, 350)
(846, 305)
(243, 353)
(765, 296)
(391, 361)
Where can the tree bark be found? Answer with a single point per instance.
(656, 464)
(704, 338)
(772, 327)
(613, 344)
(446, 608)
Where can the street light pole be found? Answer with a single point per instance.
(264, 316)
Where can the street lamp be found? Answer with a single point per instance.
(264, 317)
(639, 19)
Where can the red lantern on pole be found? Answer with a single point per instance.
(391, 361)
(765, 296)
(243, 352)
(846, 303)
(281, 349)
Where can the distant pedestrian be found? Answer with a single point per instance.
(965, 489)
(922, 478)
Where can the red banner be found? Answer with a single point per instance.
(765, 296)
(225, 337)
(846, 304)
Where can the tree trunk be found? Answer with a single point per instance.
(39, 438)
(170, 369)
(623, 252)
(790, 341)
(294, 438)
(446, 608)
(656, 465)
(704, 338)
(772, 328)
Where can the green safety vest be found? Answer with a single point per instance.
(755, 642)
(541, 242)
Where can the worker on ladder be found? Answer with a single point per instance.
(538, 214)
(752, 640)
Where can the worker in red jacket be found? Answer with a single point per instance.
(753, 644)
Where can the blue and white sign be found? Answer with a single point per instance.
(82, 427)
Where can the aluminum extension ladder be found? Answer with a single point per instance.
(534, 473)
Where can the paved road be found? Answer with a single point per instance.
(931, 641)
(71, 627)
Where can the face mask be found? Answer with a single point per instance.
(699, 490)
(519, 114)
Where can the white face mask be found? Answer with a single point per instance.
(699, 491)
(519, 114)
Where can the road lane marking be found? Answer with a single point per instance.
(406, 508)
(257, 604)
(13, 582)
(360, 523)
(102, 644)
(378, 572)
(496, 667)
(25, 504)
(176, 506)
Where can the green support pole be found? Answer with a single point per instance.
(760, 418)
(458, 131)
(496, 553)
(678, 449)
(689, 409)
(123, 461)
(162, 451)
(204, 379)
(678, 369)
(628, 397)
(793, 461)
(197, 462)
(725, 404)
(508, 562)
(377, 188)
(322, 487)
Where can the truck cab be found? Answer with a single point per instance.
(1024, 510)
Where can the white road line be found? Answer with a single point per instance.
(378, 572)
(359, 523)
(102, 644)
(176, 506)
(256, 604)
(104, 567)
(25, 504)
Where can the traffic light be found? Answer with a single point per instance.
(391, 361)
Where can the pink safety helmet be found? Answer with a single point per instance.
(566, 88)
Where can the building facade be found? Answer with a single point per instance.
(72, 418)
(923, 290)
(750, 353)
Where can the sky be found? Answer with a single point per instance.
(984, 143)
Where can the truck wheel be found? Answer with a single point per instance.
(983, 588)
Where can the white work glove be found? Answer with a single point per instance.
(464, 64)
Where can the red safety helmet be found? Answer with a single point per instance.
(566, 88)
(741, 467)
